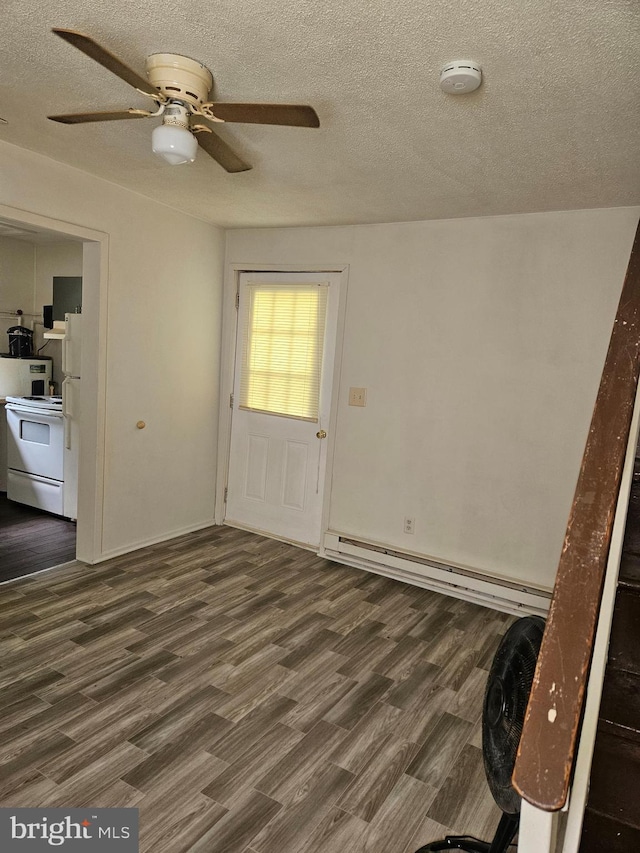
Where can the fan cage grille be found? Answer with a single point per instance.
(505, 704)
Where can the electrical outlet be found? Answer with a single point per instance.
(357, 396)
(409, 525)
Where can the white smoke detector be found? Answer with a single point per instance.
(460, 77)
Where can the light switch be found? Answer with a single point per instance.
(357, 396)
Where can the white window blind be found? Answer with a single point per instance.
(283, 342)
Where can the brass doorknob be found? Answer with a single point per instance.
(141, 424)
(321, 434)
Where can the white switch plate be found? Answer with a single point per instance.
(357, 396)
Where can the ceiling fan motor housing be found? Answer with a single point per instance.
(180, 78)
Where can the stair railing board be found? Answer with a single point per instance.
(552, 832)
(548, 744)
(588, 729)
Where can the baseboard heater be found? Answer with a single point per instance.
(455, 581)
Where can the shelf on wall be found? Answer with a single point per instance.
(57, 333)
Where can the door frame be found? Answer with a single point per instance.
(95, 255)
(228, 364)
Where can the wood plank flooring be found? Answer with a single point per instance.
(247, 697)
(32, 540)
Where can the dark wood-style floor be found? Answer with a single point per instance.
(32, 540)
(247, 697)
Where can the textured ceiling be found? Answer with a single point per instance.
(555, 125)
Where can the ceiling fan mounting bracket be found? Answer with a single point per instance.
(136, 112)
(158, 96)
(199, 128)
(207, 111)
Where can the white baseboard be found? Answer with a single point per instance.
(154, 540)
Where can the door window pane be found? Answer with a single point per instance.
(283, 341)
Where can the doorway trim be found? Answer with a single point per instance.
(227, 371)
(94, 369)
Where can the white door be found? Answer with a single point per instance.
(282, 395)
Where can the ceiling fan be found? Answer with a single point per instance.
(180, 89)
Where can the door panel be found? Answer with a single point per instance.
(276, 462)
(256, 477)
(295, 474)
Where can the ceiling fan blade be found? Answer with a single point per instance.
(296, 115)
(220, 151)
(81, 118)
(107, 60)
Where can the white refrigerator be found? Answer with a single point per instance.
(71, 400)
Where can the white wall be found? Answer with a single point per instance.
(163, 267)
(481, 344)
(53, 259)
(17, 260)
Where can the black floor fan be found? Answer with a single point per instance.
(505, 703)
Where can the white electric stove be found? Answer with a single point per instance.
(35, 452)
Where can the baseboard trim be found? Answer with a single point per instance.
(136, 546)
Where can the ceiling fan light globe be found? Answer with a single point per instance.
(174, 144)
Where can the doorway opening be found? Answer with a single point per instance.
(35, 251)
(32, 540)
